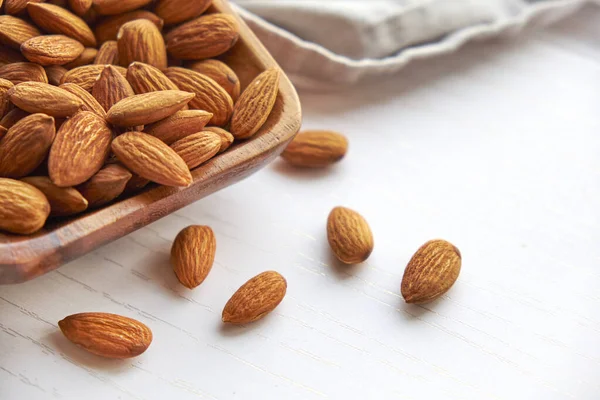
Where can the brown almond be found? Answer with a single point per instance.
(193, 255)
(316, 149)
(89, 103)
(150, 158)
(51, 49)
(179, 125)
(23, 72)
(9, 56)
(86, 76)
(226, 137)
(108, 53)
(349, 235)
(81, 146)
(140, 40)
(204, 37)
(255, 104)
(23, 208)
(209, 95)
(58, 20)
(5, 105)
(26, 145)
(111, 87)
(220, 73)
(145, 78)
(197, 148)
(108, 28)
(143, 109)
(14, 31)
(177, 11)
(3, 131)
(80, 7)
(255, 299)
(86, 57)
(106, 185)
(14, 7)
(55, 74)
(107, 335)
(112, 7)
(431, 272)
(63, 201)
(12, 117)
(135, 184)
(37, 97)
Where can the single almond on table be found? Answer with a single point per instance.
(111, 87)
(23, 72)
(315, 149)
(143, 109)
(63, 201)
(23, 208)
(145, 78)
(9, 56)
(5, 105)
(107, 335)
(193, 254)
(197, 148)
(220, 73)
(108, 184)
(108, 28)
(255, 299)
(25, 145)
(36, 97)
(431, 272)
(14, 31)
(209, 96)
(204, 37)
(14, 7)
(179, 125)
(86, 57)
(152, 159)
(140, 40)
(80, 148)
(89, 103)
(85, 76)
(255, 104)
(55, 19)
(226, 137)
(177, 11)
(51, 49)
(80, 7)
(12, 117)
(108, 53)
(349, 235)
(111, 7)
(55, 74)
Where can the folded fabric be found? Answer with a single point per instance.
(329, 44)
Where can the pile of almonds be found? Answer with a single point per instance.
(98, 98)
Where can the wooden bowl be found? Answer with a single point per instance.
(26, 257)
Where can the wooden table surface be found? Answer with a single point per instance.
(495, 148)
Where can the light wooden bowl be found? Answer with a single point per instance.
(26, 257)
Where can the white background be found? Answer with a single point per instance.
(495, 148)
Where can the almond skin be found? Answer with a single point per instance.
(135, 184)
(179, 125)
(108, 53)
(107, 335)
(147, 108)
(204, 37)
(177, 11)
(197, 148)
(220, 73)
(226, 137)
(14, 31)
(23, 72)
(150, 158)
(55, 74)
(431, 272)
(89, 103)
(81, 146)
(9, 56)
(80, 7)
(12, 117)
(255, 299)
(316, 149)
(255, 104)
(5, 105)
(36, 97)
(23, 208)
(25, 145)
(14, 7)
(108, 28)
(193, 254)
(86, 57)
(111, 87)
(140, 40)
(111, 7)
(106, 185)
(54, 19)
(145, 78)
(86, 76)
(51, 49)
(349, 235)
(209, 95)
(63, 201)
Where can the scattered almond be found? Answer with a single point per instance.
(349, 235)
(106, 185)
(140, 40)
(193, 254)
(63, 201)
(315, 149)
(179, 125)
(147, 108)
(51, 49)
(226, 137)
(23, 208)
(37, 97)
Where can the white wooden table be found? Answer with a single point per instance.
(495, 148)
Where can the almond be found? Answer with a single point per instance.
(23, 72)
(26, 145)
(193, 254)
(145, 78)
(14, 7)
(135, 184)
(58, 20)
(179, 125)
(147, 108)
(37, 97)
(9, 56)
(14, 31)
(226, 137)
(51, 49)
(255, 299)
(177, 11)
(87, 57)
(23, 208)
(220, 73)
(111, 87)
(349, 235)
(3, 131)
(80, 7)
(150, 158)
(108, 28)
(86, 76)
(140, 40)
(55, 74)
(12, 117)
(108, 53)
(81, 146)
(197, 148)
(106, 185)
(204, 37)
(209, 95)
(89, 103)
(63, 201)
(5, 105)
(314, 149)
(107, 335)
(431, 272)
(111, 7)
